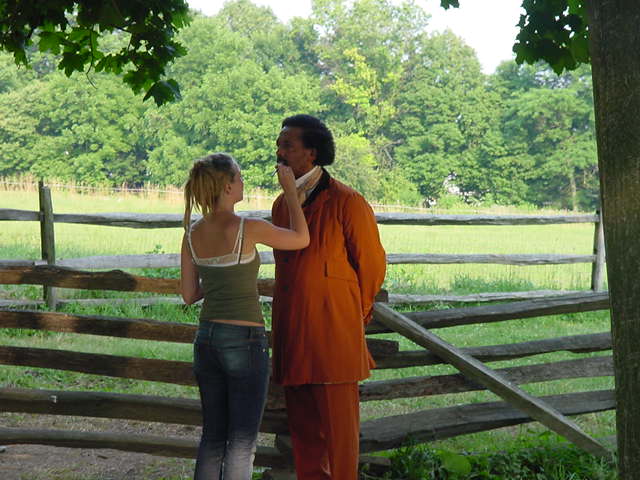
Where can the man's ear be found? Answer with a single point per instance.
(314, 155)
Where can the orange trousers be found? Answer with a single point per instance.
(324, 421)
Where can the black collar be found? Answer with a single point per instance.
(323, 184)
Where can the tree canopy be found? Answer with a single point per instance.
(555, 31)
(415, 118)
(72, 30)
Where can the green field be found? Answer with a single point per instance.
(21, 240)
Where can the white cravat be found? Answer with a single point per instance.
(303, 178)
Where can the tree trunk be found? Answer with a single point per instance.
(614, 46)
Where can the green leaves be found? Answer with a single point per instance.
(541, 459)
(555, 31)
(111, 63)
(151, 28)
(163, 91)
(413, 115)
(449, 3)
(551, 124)
(73, 62)
(50, 41)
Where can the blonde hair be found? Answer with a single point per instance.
(207, 179)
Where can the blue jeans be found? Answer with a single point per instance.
(231, 364)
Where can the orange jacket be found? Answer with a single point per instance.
(323, 294)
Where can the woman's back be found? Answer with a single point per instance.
(229, 280)
(217, 236)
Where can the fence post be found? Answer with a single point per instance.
(47, 239)
(597, 268)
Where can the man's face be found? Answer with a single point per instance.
(291, 151)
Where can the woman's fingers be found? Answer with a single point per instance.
(285, 177)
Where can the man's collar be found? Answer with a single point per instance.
(323, 184)
(303, 178)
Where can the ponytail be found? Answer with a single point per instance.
(207, 180)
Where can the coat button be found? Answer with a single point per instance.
(285, 288)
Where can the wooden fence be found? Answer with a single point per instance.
(377, 434)
(48, 218)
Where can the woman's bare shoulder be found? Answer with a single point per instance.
(255, 224)
(196, 224)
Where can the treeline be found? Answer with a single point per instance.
(415, 119)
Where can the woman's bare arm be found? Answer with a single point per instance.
(189, 278)
(297, 235)
(279, 238)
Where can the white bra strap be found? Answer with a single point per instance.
(238, 235)
(240, 239)
(193, 253)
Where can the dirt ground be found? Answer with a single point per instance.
(39, 462)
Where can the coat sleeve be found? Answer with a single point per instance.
(275, 209)
(365, 251)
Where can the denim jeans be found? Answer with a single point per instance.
(231, 364)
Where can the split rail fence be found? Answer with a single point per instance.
(377, 434)
(47, 218)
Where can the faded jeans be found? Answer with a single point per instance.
(231, 364)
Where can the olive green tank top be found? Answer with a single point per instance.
(229, 283)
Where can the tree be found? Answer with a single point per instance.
(272, 42)
(399, 88)
(236, 106)
(72, 30)
(554, 127)
(82, 134)
(362, 49)
(616, 80)
(442, 107)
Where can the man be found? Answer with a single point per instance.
(323, 299)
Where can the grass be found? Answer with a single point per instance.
(552, 459)
(21, 240)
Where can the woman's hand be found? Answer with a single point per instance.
(286, 179)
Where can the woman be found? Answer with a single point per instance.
(219, 263)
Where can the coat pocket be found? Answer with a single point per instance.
(340, 269)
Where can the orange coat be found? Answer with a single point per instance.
(323, 294)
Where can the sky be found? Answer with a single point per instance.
(489, 26)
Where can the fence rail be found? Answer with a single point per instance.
(438, 424)
(167, 220)
(382, 433)
(172, 260)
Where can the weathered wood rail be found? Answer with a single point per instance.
(381, 434)
(172, 260)
(162, 220)
(473, 368)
